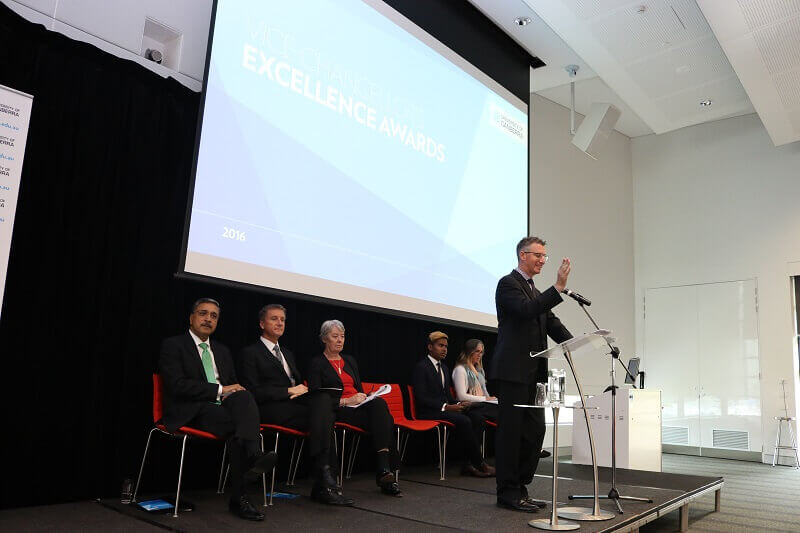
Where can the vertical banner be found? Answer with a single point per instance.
(15, 114)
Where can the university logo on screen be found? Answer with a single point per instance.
(501, 120)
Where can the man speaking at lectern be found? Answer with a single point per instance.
(524, 320)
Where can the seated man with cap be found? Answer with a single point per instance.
(434, 401)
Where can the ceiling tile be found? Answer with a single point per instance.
(788, 85)
(696, 63)
(728, 96)
(779, 44)
(630, 35)
(758, 13)
(589, 9)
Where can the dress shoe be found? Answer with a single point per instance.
(487, 469)
(544, 453)
(329, 495)
(517, 505)
(538, 503)
(469, 470)
(242, 508)
(260, 463)
(388, 484)
(326, 477)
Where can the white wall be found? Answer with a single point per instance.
(718, 202)
(584, 210)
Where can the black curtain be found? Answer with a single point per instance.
(91, 289)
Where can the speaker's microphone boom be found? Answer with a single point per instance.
(577, 297)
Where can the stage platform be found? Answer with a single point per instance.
(460, 503)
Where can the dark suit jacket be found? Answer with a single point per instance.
(429, 396)
(263, 375)
(186, 389)
(321, 374)
(524, 320)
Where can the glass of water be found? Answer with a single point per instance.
(541, 394)
(556, 384)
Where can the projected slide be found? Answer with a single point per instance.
(342, 155)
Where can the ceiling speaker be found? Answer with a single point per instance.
(595, 128)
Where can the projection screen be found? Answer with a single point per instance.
(346, 154)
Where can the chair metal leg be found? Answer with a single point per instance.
(225, 479)
(291, 460)
(483, 443)
(141, 468)
(402, 450)
(180, 478)
(272, 481)
(341, 468)
(222, 472)
(297, 462)
(444, 456)
(352, 458)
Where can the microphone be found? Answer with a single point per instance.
(577, 297)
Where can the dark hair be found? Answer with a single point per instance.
(527, 241)
(469, 347)
(263, 312)
(200, 301)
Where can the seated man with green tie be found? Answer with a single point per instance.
(201, 391)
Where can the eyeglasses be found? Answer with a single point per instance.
(538, 255)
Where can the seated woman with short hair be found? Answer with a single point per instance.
(333, 370)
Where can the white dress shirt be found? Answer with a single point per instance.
(435, 364)
(271, 347)
(197, 342)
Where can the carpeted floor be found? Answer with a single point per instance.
(756, 497)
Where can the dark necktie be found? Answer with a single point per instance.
(279, 356)
(441, 374)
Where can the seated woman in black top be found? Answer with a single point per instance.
(334, 370)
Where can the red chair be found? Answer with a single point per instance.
(293, 464)
(444, 423)
(394, 399)
(182, 433)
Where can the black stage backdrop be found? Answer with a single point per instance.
(91, 289)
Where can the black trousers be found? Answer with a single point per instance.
(519, 438)
(236, 417)
(478, 413)
(314, 412)
(467, 432)
(375, 418)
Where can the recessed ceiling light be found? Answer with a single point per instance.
(522, 21)
(706, 103)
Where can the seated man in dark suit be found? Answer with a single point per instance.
(434, 401)
(201, 391)
(269, 371)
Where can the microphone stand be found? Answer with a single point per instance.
(613, 494)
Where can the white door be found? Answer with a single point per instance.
(728, 366)
(670, 360)
(701, 350)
